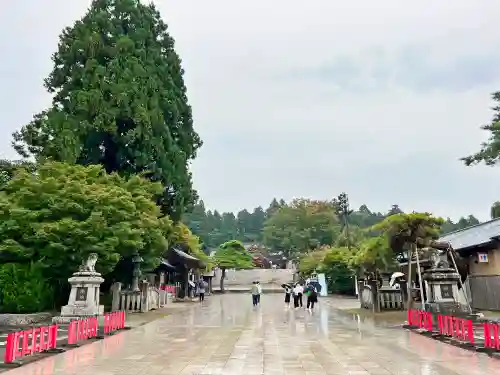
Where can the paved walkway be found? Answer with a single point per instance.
(228, 336)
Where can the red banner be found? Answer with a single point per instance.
(420, 319)
(30, 341)
(458, 328)
(82, 329)
(491, 335)
(168, 288)
(114, 321)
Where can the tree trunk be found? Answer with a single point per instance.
(222, 277)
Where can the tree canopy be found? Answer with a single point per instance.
(405, 230)
(300, 226)
(215, 227)
(489, 153)
(61, 214)
(495, 210)
(119, 100)
(232, 254)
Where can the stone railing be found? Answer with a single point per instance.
(147, 298)
(383, 299)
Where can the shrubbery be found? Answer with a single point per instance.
(23, 289)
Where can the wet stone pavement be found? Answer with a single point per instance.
(228, 336)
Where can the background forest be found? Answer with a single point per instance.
(252, 226)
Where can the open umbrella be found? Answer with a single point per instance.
(395, 276)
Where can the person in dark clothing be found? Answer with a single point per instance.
(312, 297)
(288, 292)
(255, 293)
(201, 289)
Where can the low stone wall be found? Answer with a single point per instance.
(23, 319)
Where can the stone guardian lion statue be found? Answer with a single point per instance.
(89, 264)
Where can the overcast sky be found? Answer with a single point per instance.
(309, 98)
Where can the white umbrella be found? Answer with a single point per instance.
(394, 276)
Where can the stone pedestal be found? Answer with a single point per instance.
(84, 297)
(441, 286)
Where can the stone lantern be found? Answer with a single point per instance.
(136, 273)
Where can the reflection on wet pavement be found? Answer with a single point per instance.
(228, 336)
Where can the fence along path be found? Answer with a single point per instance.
(62, 337)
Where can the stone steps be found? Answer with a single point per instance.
(267, 277)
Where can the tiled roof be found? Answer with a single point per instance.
(475, 235)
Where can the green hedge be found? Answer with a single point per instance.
(23, 289)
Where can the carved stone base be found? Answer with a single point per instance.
(84, 297)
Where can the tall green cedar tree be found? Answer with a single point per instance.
(119, 100)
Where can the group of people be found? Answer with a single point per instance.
(297, 292)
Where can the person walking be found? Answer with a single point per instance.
(260, 292)
(296, 291)
(312, 297)
(202, 286)
(255, 294)
(288, 292)
(300, 293)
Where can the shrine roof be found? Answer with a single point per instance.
(474, 236)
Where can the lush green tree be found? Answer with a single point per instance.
(363, 217)
(495, 210)
(214, 228)
(9, 167)
(196, 219)
(312, 261)
(464, 222)
(334, 262)
(301, 226)
(406, 233)
(273, 207)
(374, 254)
(24, 288)
(181, 235)
(61, 214)
(119, 100)
(337, 270)
(394, 210)
(244, 225)
(489, 153)
(232, 255)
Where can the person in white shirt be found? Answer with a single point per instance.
(297, 295)
(260, 292)
(300, 293)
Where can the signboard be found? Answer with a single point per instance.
(446, 291)
(322, 281)
(81, 294)
(482, 257)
